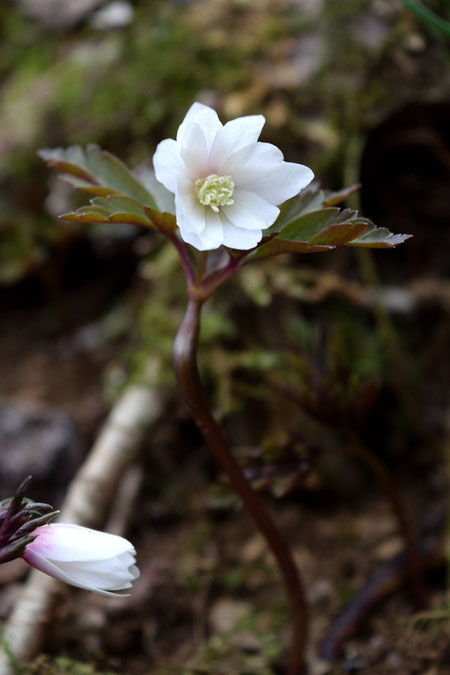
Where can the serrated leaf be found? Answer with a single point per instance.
(110, 209)
(339, 234)
(379, 237)
(312, 224)
(308, 200)
(165, 223)
(96, 171)
(333, 198)
(323, 230)
(277, 246)
(85, 215)
(95, 214)
(120, 204)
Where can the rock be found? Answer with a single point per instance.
(389, 547)
(40, 441)
(115, 15)
(254, 549)
(56, 14)
(226, 612)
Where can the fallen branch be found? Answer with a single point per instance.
(391, 576)
(87, 503)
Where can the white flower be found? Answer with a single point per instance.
(227, 185)
(95, 561)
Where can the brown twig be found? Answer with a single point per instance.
(384, 582)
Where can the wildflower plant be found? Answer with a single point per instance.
(218, 187)
(85, 558)
(88, 559)
(19, 518)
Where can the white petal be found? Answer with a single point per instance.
(167, 163)
(255, 157)
(194, 152)
(211, 236)
(250, 211)
(96, 576)
(260, 168)
(235, 135)
(205, 117)
(193, 239)
(282, 183)
(191, 215)
(65, 541)
(238, 237)
(41, 563)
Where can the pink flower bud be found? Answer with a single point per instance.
(89, 559)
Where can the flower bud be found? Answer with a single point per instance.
(89, 559)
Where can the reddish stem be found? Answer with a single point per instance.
(182, 251)
(186, 370)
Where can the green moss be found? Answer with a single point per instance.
(63, 665)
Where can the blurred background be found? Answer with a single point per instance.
(354, 344)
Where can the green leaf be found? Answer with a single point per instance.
(427, 15)
(165, 223)
(308, 200)
(339, 234)
(310, 223)
(111, 209)
(277, 246)
(340, 196)
(379, 237)
(96, 171)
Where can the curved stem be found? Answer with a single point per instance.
(214, 280)
(406, 529)
(181, 249)
(185, 362)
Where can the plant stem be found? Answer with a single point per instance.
(186, 370)
(357, 450)
(182, 251)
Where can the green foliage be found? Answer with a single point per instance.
(62, 665)
(309, 224)
(96, 171)
(428, 16)
(121, 198)
(222, 656)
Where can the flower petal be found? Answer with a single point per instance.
(238, 237)
(235, 135)
(283, 183)
(205, 117)
(191, 215)
(261, 177)
(39, 562)
(255, 157)
(167, 164)
(193, 239)
(194, 152)
(65, 541)
(260, 168)
(97, 575)
(250, 211)
(211, 236)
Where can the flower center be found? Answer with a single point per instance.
(215, 191)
